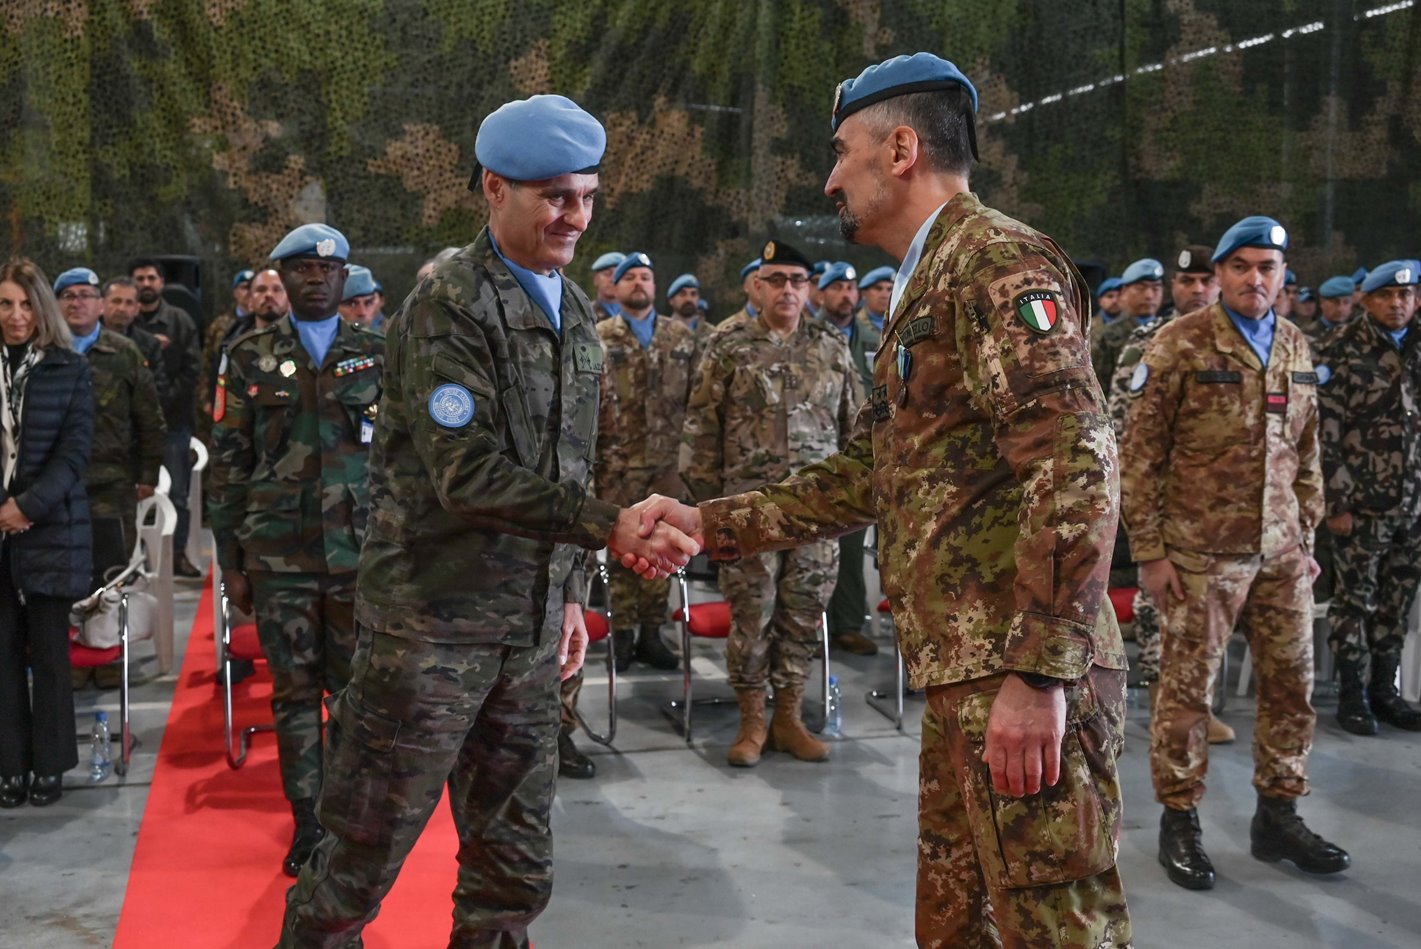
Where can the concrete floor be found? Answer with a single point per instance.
(670, 847)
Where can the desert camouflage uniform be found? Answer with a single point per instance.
(288, 508)
(473, 548)
(991, 468)
(850, 599)
(762, 409)
(129, 435)
(1371, 456)
(641, 411)
(1221, 474)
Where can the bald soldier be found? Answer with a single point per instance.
(470, 590)
(1222, 487)
(988, 461)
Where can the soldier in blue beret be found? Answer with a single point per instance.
(1335, 309)
(876, 290)
(1107, 299)
(816, 296)
(360, 302)
(684, 296)
(1141, 295)
(604, 304)
(472, 577)
(750, 285)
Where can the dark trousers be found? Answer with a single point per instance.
(177, 458)
(36, 729)
(112, 545)
(848, 604)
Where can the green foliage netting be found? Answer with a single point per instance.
(1122, 128)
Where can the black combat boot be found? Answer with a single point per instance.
(1387, 704)
(14, 791)
(1181, 850)
(1354, 712)
(623, 645)
(308, 833)
(651, 650)
(571, 762)
(1278, 833)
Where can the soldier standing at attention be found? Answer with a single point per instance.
(361, 301)
(293, 417)
(605, 304)
(1334, 310)
(774, 394)
(876, 289)
(470, 589)
(1141, 293)
(1370, 397)
(988, 461)
(1107, 297)
(684, 298)
(839, 297)
(120, 311)
(1222, 487)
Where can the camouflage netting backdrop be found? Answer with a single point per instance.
(1121, 127)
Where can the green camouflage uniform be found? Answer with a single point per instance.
(473, 548)
(850, 599)
(987, 458)
(1221, 474)
(206, 373)
(288, 508)
(1105, 348)
(763, 408)
(1371, 456)
(128, 444)
(641, 411)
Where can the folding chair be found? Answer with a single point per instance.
(711, 620)
(599, 628)
(235, 642)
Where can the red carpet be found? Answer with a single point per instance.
(207, 869)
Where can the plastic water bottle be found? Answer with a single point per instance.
(99, 760)
(834, 720)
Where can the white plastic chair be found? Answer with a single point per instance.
(194, 503)
(157, 539)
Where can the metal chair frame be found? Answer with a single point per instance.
(611, 733)
(238, 757)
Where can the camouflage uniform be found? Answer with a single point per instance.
(472, 550)
(1105, 347)
(763, 408)
(128, 445)
(987, 458)
(152, 351)
(850, 599)
(1221, 474)
(288, 508)
(212, 346)
(1371, 455)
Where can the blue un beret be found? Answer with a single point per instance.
(681, 283)
(635, 259)
(1334, 287)
(1359, 275)
(819, 267)
(538, 137)
(359, 282)
(1146, 268)
(1291, 279)
(838, 270)
(74, 277)
(1305, 294)
(1107, 285)
(609, 259)
(313, 240)
(901, 75)
(1254, 231)
(241, 277)
(750, 268)
(1393, 273)
(876, 275)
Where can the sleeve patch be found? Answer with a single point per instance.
(1139, 377)
(1040, 310)
(451, 405)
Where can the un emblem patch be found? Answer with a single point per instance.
(451, 405)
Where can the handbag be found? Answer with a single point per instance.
(97, 616)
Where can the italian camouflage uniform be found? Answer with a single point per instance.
(1371, 457)
(288, 508)
(129, 438)
(850, 599)
(987, 458)
(641, 411)
(479, 511)
(765, 406)
(1221, 474)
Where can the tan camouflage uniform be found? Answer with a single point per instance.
(1221, 474)
(474, 545)
(991, 468)
(288, 508)
(762, 409)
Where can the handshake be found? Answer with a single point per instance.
(656, 537)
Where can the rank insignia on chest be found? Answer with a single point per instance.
(881, 410)
(288, 368)
(1040, 310)
(267, 363)
(354, 364)
(1277, 402)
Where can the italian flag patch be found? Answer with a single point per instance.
(1038, 309)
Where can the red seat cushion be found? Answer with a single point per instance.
(711, 620)
(1123, 599)
(883, 606)
(244, 642)
(597, 627)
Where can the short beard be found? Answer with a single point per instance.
(850, 222)
(147, 296)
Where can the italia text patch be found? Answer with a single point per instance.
(1040, 310)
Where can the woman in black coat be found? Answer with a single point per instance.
(46, 432)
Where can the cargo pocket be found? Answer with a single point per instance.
(360, 748)
(1062, 833)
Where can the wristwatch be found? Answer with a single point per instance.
(1039, 681)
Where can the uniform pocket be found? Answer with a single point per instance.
(360, 747)
(1062, 833)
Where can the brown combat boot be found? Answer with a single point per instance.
(787, 731)
(1219, 733)
(749, 741)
